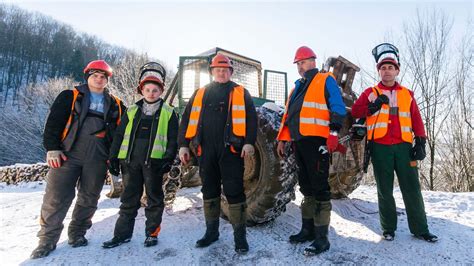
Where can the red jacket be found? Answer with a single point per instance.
(394, 135)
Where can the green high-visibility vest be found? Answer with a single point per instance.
(161, 138)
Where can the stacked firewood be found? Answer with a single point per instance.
(18, 173)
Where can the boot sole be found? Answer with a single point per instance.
(79, 245)
(117, 244)
(42, 254)
(430, 240)
(150, 244)
(198, 245)
(310, 252)
(299, 241)
(241, 251)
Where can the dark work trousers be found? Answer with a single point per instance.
(217, 165)
(134, 175)
(86, 168)
(387, 159)
(312, 159)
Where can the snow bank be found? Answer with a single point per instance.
(354, 233)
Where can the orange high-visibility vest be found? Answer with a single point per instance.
(377, 123)
(314, 114)
(75, 93)
(236, 107)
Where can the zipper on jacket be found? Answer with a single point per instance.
(150, 143)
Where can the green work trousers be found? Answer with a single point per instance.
(387, 159)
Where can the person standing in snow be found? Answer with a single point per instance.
(145, 145)
(77, 137)
(220, 124)
(393, 122)
(313, 117)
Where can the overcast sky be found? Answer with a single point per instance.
(269, 31)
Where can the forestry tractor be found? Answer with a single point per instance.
(269, 181)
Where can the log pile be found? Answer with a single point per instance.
(18, 173)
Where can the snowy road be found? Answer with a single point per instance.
(354, 234)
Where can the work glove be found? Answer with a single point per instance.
(114, 166)
(167, 165)
(55, 158)
(341, 148)
(332, 142)
(247, 150)
(184, 155)
(418, 151)
(377, 104)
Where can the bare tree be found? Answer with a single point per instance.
(457, 153)
(428, 66)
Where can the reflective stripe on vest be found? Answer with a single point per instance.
(161, 138)
(377, 123)
(236, 107)
(75, 93)
(238, 111)
(314, 114)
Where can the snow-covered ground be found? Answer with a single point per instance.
(354, 233)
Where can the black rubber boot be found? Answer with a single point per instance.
(42, 250)
(212, 210)
(306, 233)
(307, 226)
(240, 239)
(322, 217)
(115, 242)
(428, 237)
(79, 241)
(151, 241)
(320, 243)
(238, 217)
(211, 235)
(389, 236)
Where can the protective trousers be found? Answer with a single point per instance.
(389, 158)
(219, 164)
(312, 159)
(134, 176)
(86, 168)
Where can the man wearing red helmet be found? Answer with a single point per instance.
(313, 117)
(393, 122)
(220, 124)
(77, 137)
(145, 145)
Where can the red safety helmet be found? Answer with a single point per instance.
(221, 60)
(150, 79)
(388, 60)
(304, 52)
(98, 65)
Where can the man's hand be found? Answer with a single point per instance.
(332, 142)
(55, 158)
(184, 155)
(247, 150)
(377, 104)
(418, 152)
(341, 148)
(281, 149)
(114, 166)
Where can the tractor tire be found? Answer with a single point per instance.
(269, 182)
